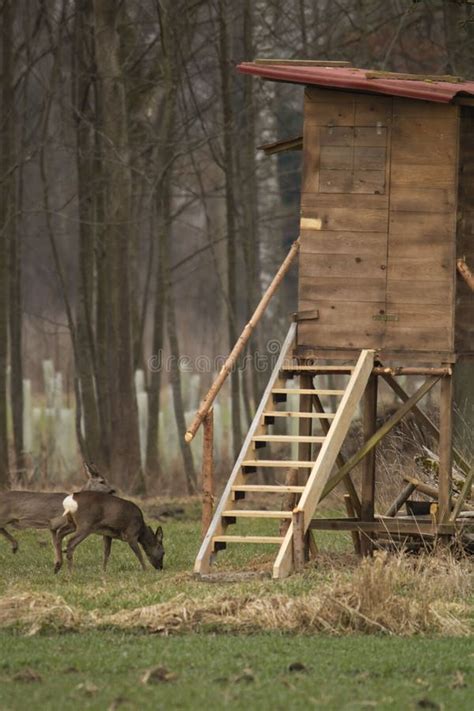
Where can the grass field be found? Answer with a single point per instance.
(89, 650)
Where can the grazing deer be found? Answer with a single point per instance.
(111, 517)
(34, 509)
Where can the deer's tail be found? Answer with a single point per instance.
(69, 505)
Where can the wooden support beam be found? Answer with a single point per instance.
(289, 501)
(226, 369)
(305, 424)
(385, 525)
(379, 435)
(368, 471)
(425, 421)
(354, 534)
(400, 370)
(401, 498)
(340, 461)
(207, 473)
(445, 447)
(426, 489)
(465, 492)
(433, 492)
(298, 541)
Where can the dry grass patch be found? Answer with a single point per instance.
(394, 595)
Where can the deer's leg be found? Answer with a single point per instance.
(136, 549)
(58, 534)
(107, 546)
(73, 543)
(10, 538)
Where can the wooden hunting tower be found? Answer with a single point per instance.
(387, 213)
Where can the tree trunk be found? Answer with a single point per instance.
(94, 446)
(124, 438)
(154, 388)
(228, 119)
(7, 212)
(250, 238)
(15, 296)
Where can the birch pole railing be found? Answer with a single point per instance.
(226, 369)
(204, 412)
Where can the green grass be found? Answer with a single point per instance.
(102, 669)
(95, 669)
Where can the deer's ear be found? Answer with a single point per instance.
(91, 471)
(159, 533)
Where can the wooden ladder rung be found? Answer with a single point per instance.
(288, 438)
(306, 391)
(277, 463)
(269, 488)
(248, 539)
(290, 413)
(248, 513)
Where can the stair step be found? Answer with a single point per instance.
(248, 513)
(277, 463)
(248, 539)
(290, 413)
(287, 438)
(331, 369)
(269, 488)
(305, 391)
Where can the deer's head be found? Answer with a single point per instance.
(95, 480)
(153, 546)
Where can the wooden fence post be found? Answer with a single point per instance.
(207, 472)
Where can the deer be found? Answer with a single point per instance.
(34, 509)
(89, 512)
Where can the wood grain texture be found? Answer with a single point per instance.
(424, 199)
(409, 108)
(464, 313)
(357, 243)
(313, 291)
(349, 219)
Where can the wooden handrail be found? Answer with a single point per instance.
(206, 404)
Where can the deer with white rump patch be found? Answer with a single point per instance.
(35, 509)
(111, 517)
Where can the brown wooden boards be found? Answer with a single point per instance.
(379, 265)
(420, 266)
(465, 237)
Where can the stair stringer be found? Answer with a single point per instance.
(203, 559)
(326, 459)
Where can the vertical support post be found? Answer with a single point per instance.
(298, 540)
(305, 423)
(351, 514)
(368, 464)
(207, 472)
(289, 500)
(445, 447)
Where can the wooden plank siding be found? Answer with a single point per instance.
(380, 179)
(421, 256)
(465, 236)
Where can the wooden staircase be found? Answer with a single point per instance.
(317, 454)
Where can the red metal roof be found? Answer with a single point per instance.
(351, 78)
